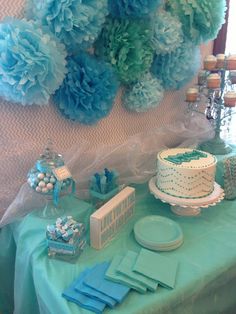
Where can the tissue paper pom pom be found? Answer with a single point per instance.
(147, 93)
(177, 68)
(132, 8)
(201, 19)
(167, 35)
(32, 64)
(77, 23)
(127, 46)
(88, 91)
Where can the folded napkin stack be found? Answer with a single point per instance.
(107, 284)
(143, 271)
(94, 292)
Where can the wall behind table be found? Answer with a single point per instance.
(24, 130)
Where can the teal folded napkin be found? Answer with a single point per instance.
(93, 294)
(96, 280)
(70, 294)
(125, 267)
(113, 275)
(157, 267)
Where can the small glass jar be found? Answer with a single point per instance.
(42, 180)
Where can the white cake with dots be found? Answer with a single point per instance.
(185, 172)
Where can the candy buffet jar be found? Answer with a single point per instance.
(42, 180)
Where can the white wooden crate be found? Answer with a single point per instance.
(108, 219)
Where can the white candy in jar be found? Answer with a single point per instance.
(50, 186)
(38, 189)
(45, 190)
(41, 175)
(42, 184)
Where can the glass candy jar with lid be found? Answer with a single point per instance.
(42, 178)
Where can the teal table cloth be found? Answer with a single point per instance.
(31, 283)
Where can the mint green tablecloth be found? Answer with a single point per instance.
(206, 278)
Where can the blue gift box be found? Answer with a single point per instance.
(65, 237)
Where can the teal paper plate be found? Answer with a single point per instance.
(157, 232)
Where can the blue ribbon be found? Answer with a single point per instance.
(43, 168)
(57, 190)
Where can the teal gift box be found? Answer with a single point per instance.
(106, 196)
(103, 186)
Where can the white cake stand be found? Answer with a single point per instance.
(185, 206)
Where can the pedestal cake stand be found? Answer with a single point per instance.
(184, 206)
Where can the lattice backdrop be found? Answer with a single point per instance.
(24, 130)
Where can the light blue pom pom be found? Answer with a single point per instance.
(77, 23)
(167, 33)
(147, 93)
(32, 63)
(133, 8)
(177, 68)
(201, 19)
(88, 91)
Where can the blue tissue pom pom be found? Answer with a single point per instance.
(77, 23)
(32, 63)
(167, 33)
(132, 8)
(88, 91)
(147, 93)
(177, 68)
(201, 19)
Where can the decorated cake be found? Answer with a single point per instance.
(185, 172)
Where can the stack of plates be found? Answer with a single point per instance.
(158, 233)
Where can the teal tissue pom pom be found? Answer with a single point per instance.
(127, 46)
(167, 35)
(177, 68)
(32, 63)
(77, 23)
(145, 94)
(132, 8)
(201, 19)
(88, 91)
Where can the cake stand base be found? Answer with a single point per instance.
(185, 211)
(186, 206)
(216, 146)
